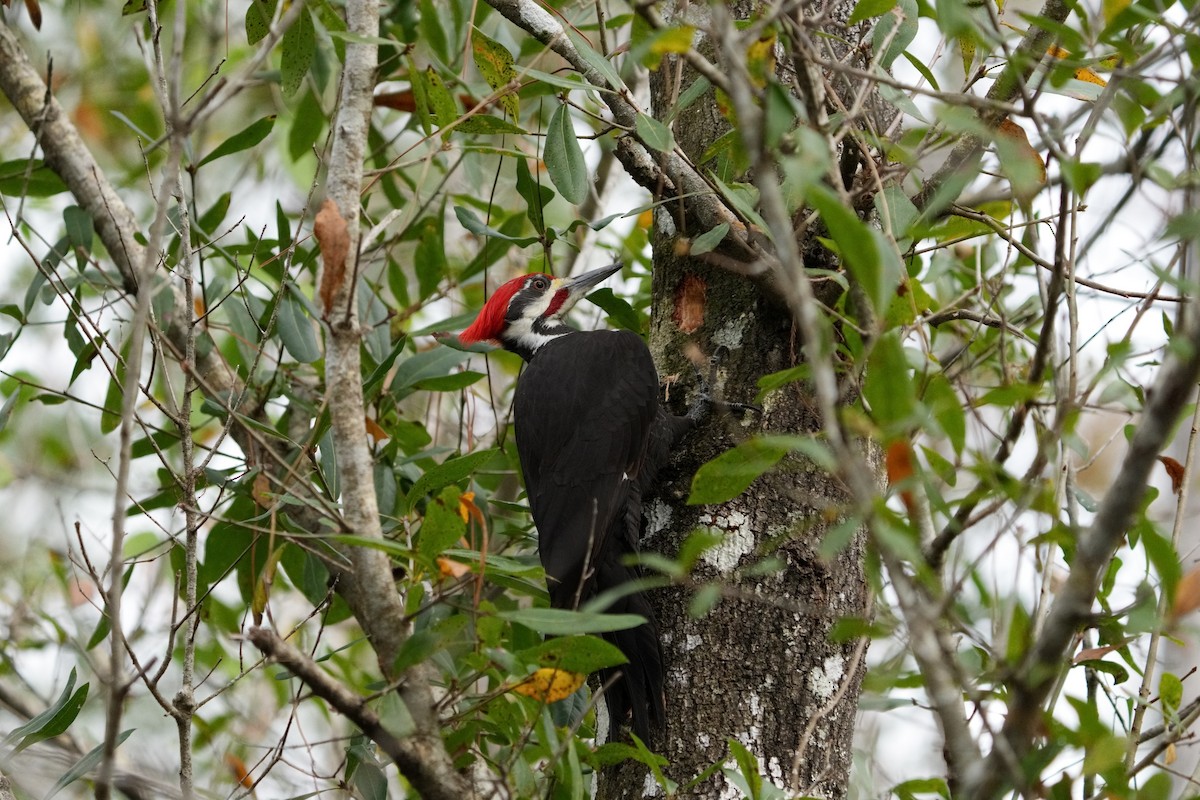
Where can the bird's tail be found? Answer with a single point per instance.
(635, 690)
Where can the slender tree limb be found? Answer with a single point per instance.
(1008, 86)
(666, 172)
(376, 603)
(416, 759)
(368, 587)
(1036, 676)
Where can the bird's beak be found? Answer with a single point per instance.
(580, 284)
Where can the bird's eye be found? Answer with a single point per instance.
(541, 284)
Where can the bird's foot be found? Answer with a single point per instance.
(706, 401)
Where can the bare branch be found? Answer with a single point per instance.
(1024, 60)
(430, 774)
(1037, 674)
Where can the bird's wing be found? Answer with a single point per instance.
(584, 410)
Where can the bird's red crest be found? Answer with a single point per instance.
(490, 322)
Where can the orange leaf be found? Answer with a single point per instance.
(240, 773)
(467, 508)
(1175, 470)
(1187, 594)
(451, 569)
(899, 461)
(550, 685)
(375, 432)
(198, 306)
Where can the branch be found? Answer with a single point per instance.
(372, 593)
(431, 775)
(368, 587)
(1012, 80)
(1036, 676)
(665, 173)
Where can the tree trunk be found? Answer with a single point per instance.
(759, 667)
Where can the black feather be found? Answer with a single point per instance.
(591, 435)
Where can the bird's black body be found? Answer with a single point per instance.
(591, 436)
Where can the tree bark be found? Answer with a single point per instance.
(759, 667)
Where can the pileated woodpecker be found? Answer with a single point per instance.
(590, 435)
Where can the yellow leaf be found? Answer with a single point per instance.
(1089, 76)
(1112, 8)
(467, 507)
(760, 60)
(550, 685)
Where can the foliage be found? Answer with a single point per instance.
(988, 331)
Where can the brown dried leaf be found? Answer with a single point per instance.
(1187, 594)
(1093, 653)
(1176, 472)
(260, 490)
(333, 234)
(1016, 134)
(35, 12)
(375, 431)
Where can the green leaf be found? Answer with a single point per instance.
(561, 622)
(441, 527)
(732, 472)
(416, 648)
(888, 388)
(298, 47)
(896, 30)
(79, 228)
(442, 108)
(308, 121)
(452, 470)
(84, 765)
(708, 241)
(654, 134)
(869, 9)
(618, 309)
(535, 194)
(40, 181)
(296, 331)
(488, 125)
(469, 220)
(114, 398)
(258, 19)
(564, 158)
(595, 60)
(450, 383)
(54, 720)
(242, 140)
(433, 363)
(495, 64)
(7, 409)
(859, 247)
(574, 654)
